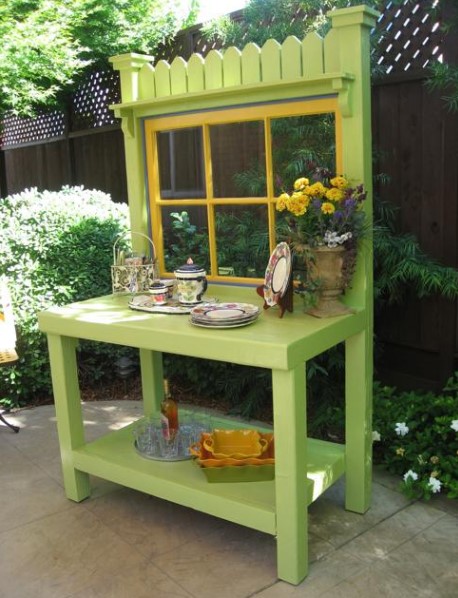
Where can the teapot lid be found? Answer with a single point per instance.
(190, 267)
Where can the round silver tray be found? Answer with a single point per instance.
(180, 457)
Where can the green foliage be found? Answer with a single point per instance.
(243, 242)
(56, 247)
(48, 45)
(247, 390)
(277, 19)
(444, 77)
(443, 74)
(400, 265)
(185, 240)
(418, 433)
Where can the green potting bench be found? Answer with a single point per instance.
(312, 76)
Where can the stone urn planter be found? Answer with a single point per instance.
(327, 271)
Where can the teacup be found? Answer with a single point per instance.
(170, 284)
(159, 293)
(191, 283)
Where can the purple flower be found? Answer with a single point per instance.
(349, 204)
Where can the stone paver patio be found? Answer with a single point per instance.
(122, 543)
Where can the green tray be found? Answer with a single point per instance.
(239, 473)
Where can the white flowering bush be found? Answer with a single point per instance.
(415, 435)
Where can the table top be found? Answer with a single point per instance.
(270, 341)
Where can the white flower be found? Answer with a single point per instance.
(401, 429)
(454, 425)
(410, 474)
(332, 239)
(376, 436)
(434, 484)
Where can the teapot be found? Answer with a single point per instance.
(191, 283)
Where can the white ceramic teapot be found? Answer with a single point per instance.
(191, 283)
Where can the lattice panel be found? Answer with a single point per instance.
(90, 103)
(16, 130)
(410, 35)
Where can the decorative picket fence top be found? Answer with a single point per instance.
(310, 58)
(314, 59)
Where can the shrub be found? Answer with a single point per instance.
(416, 436)
(56, 247)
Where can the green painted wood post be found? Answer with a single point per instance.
(290, 425)
(152, 380)
(69, 412)
(129, 67)
(352, 27)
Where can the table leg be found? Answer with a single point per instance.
(289, 400)
(152, 376)
(69, 413)
(358, 434)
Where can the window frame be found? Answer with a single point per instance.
(265, 112)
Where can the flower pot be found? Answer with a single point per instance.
(326, 268)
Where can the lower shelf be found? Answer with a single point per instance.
(113, 457)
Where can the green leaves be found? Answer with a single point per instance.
(429, 450)
(48, 45)
(56, 248)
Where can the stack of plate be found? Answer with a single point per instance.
(224, 315)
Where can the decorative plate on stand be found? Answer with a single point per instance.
(277, 274)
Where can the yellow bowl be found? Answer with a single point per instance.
(206, 459)
(235, 444)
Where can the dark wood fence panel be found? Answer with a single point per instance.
(415, 138)
(94, 160)
(99, 162)
(45, 166)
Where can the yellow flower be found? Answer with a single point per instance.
(282, 202)
(300, 184)
(434, 474)
(335, 194)
(298, 204)
(340, 182)
(315, 190)
(327, 208)
(400, 451)
(434, 459)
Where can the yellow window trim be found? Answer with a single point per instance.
(264, 112)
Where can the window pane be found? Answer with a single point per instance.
(299, 145)
(181, 165)
(185, 235)
(242, 240)
(238, 159)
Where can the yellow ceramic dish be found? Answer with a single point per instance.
(235, 444)
(206, 459)
(246, 473)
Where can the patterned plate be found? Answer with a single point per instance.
(277, 274)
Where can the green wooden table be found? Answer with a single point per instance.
(304, 469)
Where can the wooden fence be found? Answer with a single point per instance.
(415, 137)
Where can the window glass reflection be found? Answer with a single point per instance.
(185, 235)
(181, 164)
(242, 240)
(299, 145)
(238, 159)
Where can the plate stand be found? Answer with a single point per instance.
(285, 303)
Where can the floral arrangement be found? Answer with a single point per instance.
(321, 211)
